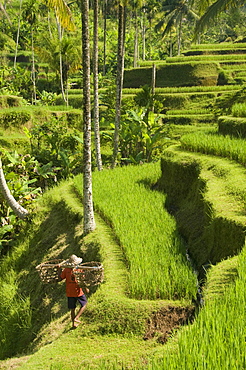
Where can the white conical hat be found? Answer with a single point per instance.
(73, 260)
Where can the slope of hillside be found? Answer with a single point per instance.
(56, 232)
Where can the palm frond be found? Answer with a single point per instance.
(213, 11)
(168, 27)
(63, 13)
(159, 25)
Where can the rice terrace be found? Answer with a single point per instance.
(122, 145)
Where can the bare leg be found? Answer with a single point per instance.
(81, 310)
(73, 315)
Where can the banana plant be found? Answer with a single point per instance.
(138, 138)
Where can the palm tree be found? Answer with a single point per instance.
(63, 13)
(18, 33)
(105, 8)
(63, 56)
(95, 83)
(14, 205)
(30, 11)
(119, 78)
(89, 221)
(2, 8)
(213, 11)
(175, 11)
(65, 18)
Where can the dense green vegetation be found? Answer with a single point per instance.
(170, 219)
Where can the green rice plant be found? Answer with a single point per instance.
(234, 67)
(218, 58)
(58, 108)
(221, 46)
(75, 92)
(241, 73)
(239, 110)
(153, 251)
(185, 89)
(212, 143)
(188, 111)
(187, 119)
(149, 63)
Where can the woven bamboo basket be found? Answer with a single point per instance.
(89, 274)
(49, 271)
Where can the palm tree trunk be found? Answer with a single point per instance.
(153, 83)
(89, 221)
(33, 74)
(104, 37)
(135, 60)
(143, 35)
(13, 204)
(18, 34)
(95, 82)
(60, 60)
(179, 36)
(119, 80)
(5, 13)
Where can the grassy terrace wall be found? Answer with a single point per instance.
(7, 101)
(202, 195)
(182, 74)
(17, 117)
(233, 126)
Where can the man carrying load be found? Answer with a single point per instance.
(74, 292)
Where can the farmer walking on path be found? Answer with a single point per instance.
(74, 292)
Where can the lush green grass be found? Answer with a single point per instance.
(147, 233)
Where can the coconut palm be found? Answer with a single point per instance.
(89, 221)
(174, 13)
(95, 83)
(18, 33)
(29, 14)
(63, 13)
(64, 16)
(13, 204)
(119, 77)
(213, 11)
(2, 8)
(62, 54)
